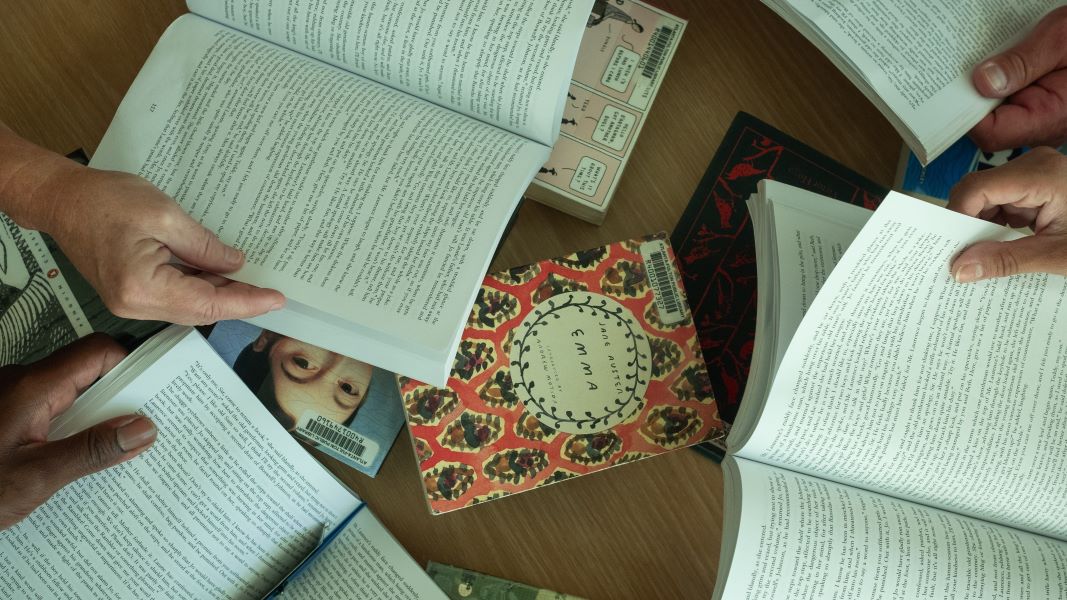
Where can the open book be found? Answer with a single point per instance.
(902, 435)
(366, 156)
(224, 504)
(914, 60)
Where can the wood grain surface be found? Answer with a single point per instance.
(645, 530)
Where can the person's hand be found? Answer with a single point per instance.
(1030, 191)
(32, 468)
(123, 235)
(1032, 78)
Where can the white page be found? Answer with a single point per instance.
(224, 504)
(902, 381)
(348, 196)
(800, 237)
(802, 537)
(918, 55)
(502, 62)
(364, 561)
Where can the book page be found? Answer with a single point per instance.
(349, 197)
(505, 63)
(224, 504)
(802, 537)
(904, 382)
(918, 55)
(800, 237)
(364, 561)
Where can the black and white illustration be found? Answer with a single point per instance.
(38, 312)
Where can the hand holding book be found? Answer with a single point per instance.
(31, 469)
(1031, 77)
(124, 236)
(1030, 191)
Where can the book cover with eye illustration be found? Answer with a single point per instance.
(566, 367)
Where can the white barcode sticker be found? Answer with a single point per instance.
(658, 47)
(317, 429)
(665, 293)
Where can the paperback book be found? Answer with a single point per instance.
(914, 60)
(345, 408)
(902, 434)
(225, 504)
(320, 139)
(626, 50)
(716, 250)
(566, 367)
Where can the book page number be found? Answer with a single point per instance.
(153, 108)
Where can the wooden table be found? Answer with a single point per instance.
(645, 530)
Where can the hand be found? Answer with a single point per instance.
(122, 234)
(1032, 77)
(1030, 191)
(32, 468)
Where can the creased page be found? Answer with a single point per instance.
(223, 505)
(802, 537)
(346, 195)
(502, 62)
(902, 381)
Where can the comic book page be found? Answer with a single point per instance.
(622, 61)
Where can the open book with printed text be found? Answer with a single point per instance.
(913, 60)
(902, 435)
(366, 156)
(225, 504)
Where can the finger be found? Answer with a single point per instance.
(1038, 54)
(1033, 254)
(205, 298)
(1032, 117)
(63, 376)
(1030, 181)
(105, 445)
(198, 246)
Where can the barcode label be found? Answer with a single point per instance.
(665, 294)
(350, 445)
(657, 49)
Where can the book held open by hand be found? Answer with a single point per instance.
(902, 435)
(225, 504)
(365, 156)
(913, 59)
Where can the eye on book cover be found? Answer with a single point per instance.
(566, 367)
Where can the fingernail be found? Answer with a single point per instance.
(278, 305)
(969, 273)
(233, 255)
(995, 76)
(136, 434)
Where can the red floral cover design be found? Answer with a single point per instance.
(490, 433)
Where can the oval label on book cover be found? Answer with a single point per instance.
(581, 363)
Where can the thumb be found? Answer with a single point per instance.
(1033, 254)
(1040, 53)
(199, 247)
(95, 449)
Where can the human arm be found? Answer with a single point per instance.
(124, 235)
(1031, 77)
(1030, 191)
(32, 469)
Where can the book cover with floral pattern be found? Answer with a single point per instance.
(566, 367)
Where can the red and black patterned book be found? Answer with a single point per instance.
(715, 248)
(566, 367)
